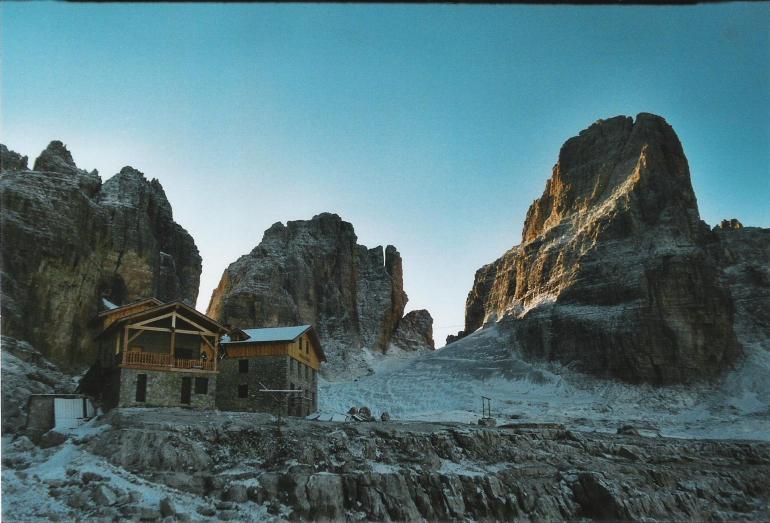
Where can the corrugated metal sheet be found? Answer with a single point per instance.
(271, 334)
(71, 412)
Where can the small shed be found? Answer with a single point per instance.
(58, 411)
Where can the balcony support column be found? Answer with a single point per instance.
(172, 362)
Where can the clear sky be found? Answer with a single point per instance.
(429, 127)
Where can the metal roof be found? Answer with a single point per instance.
(271, 334)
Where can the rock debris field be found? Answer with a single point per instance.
(151, 464)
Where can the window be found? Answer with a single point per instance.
(243, 366)
(201, 385)
(291, 366)
(243, 391)
(141, 388)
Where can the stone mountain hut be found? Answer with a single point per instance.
(168, 354)
(270, 370)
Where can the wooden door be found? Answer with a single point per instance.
(186, 390)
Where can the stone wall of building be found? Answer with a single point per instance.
(263, 372)
(301, 376)
(40, 412)
(271, 372)
(164, 389)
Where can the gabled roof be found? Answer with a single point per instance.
(121, 308)
(278, 335)
(160, 309)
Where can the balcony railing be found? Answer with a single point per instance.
(151, 359)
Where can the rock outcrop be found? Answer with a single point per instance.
(12, 161)
(149, 253)
(313, 271)
(68, 241)
(404, 471)
(415, 331)
(743, 255)
(614, 272)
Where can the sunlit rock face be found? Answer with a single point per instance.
(314, 272)
(614, 272)
(68, 240)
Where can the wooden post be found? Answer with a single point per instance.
(173, 338)
(125, 342)
(216, 351)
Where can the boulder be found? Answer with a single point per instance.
(166, 507)
(77, 500)
(51, 438)
(236, 493)
(103, 495)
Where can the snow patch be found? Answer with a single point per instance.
(447, 385)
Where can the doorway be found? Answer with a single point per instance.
(186, 389)
(141, 388)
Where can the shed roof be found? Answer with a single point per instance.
(277, 335)
(271, 334)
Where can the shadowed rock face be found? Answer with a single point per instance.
(313, 271)
(415, 331)
(743, 255)
(614, 270)
(68, 240)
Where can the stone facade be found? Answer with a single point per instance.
(164, 389)
(237, 378)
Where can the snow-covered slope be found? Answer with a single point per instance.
(447, 385)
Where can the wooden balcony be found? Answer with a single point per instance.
(159, 361)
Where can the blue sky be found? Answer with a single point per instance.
(428, 127)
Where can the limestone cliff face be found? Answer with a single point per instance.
(614, 270)
(149, 253)
(68, 240)
(313, 271)
(743, 255)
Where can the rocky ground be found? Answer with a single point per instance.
(155, 463)
(447, 385)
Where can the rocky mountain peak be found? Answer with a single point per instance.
(613, 272)
(314, 271)
(640, 164)
(56, 158)
(68, 241)
(11, 160)
(733, 224)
